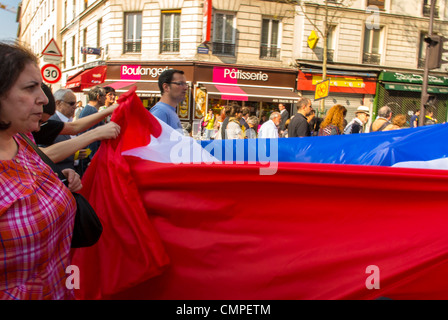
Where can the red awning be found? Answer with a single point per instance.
(87, 79)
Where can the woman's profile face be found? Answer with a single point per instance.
(22, 105)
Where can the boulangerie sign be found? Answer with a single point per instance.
(135, 72)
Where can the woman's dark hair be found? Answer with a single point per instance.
(50, 107)
(13, 60)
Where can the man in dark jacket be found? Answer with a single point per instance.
(298, 127)
(284, 117)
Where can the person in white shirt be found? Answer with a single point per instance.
(269, 129)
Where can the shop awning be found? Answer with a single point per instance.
(414, 88)
(251, 93)
(144, 88)
(86, 79)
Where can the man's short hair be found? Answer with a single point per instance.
(95, 92)
(109, 89)
(303, 103)
(274, 115)
(253, 120)
(60, 94)
(384, 112)
(245, 111)
(167, 77)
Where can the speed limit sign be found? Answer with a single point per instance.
(51, 73)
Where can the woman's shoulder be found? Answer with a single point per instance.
(329, 130)
(391, 127)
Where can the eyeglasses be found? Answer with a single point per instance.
(71, 104)
(180, 83)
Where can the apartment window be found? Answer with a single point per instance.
(133, 32)
(73, 51)
(64, 51)
(269, 48)
(224, 34)
(427, 8)
(84, 44)
(422, 51)
(372, 46)
(170, 38)
(65, 12)
(331, 40)
(98, 33)
(377, 3)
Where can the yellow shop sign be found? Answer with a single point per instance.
(342, 82)
(313, 39)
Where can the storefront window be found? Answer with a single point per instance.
(149, 102)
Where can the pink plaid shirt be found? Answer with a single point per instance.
(36, 222)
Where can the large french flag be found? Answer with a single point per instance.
(211, 229)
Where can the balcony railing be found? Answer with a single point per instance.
(227, 49)
(269, 53)
(132, 46)
(371, 58)
(169, 46)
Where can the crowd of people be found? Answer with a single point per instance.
(235, 122)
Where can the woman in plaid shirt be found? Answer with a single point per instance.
(36, 209)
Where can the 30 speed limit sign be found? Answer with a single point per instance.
(51, 73)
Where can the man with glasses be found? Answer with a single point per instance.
(173, 87)
(65, 101)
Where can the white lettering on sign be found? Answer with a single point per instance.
(139, 71)
(241, 75)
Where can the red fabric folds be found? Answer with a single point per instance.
(129, 250)
(223, 231)
(308, 232)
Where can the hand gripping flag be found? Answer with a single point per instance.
(211, 230)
